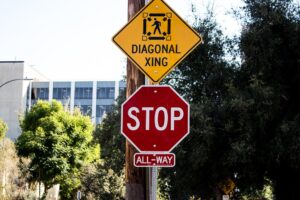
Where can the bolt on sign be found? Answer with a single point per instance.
(157, 39)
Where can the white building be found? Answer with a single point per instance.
(94, 98)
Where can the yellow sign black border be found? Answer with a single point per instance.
(177, 62)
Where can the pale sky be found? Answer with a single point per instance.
(72, 39)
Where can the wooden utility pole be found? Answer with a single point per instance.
(135, 177)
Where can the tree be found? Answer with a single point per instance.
(58, 144)
(102, 183)
(3, 129)
(105, 180)
(8, 169)
(245, 124)
(203, 79)
(268, 80)
(110, 139)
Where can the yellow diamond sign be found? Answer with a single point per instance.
(157, 39)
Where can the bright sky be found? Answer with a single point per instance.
(72, 39)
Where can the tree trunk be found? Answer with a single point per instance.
(135, 177)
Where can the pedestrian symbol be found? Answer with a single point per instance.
(157, 26)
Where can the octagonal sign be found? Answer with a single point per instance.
(157, 39)
(155, 118)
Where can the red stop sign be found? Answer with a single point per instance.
(155, 118)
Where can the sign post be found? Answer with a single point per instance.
(135, 178)
(152, 171)
(155, 118)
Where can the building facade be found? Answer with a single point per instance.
(13, 90)
(93, 98)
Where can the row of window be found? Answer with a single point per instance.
(80, 93)
(83, 93)
(61, 93)
(105, 93)
(40, 93)
(100, 109)
(87, 109)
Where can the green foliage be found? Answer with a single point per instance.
(203, 79)
(102, 183)
(247, 110)
(110, 139)
(58, 143)
(270, 45)
(13, 182)
(244, 120)
(3, 129)
(201, 76)
(8, 169)
(105, 180)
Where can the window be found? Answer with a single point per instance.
(28, 96)
(101, 109)
(40, 93)
(83, 93)
(61, 93)
(85, 109)
(106, 93)
(122, 91)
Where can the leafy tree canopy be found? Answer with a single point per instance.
(268, 81)
(110, 139)
(105, 180)
(203, 79)
(3, 129)
(244, 119)
(58, 143)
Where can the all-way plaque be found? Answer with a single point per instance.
(154, 160)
